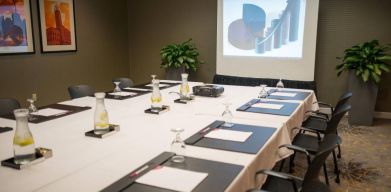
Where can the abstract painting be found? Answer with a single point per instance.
(16, 34)
(57, 25)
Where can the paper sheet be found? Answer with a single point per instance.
(123, 94)
(230, 135)
(172, 178)
(136, 89)
(284, 94)
(160, 85)
(268, 106)
(50, 112)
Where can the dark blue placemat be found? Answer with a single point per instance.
(260, 135)
(286, 110)
(299, 95)
(220, 175)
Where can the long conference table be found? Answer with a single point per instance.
(81, 163)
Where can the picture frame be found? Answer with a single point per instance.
(16, 31)
(57, 25)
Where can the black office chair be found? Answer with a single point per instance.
(124, 82)
(318, 121)
(8, 106)
(327, 115)
(77, 91)
(277, 181)
(309, 144)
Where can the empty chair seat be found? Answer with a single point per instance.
(124, 82)
(77, 91)
(8, 106)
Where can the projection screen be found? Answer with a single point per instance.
(267, 38)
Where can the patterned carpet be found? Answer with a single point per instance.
(366, 158)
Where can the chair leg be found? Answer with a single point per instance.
(336, 170)
(291, 162)
(281, 165)
(326, 177)
(339, 152)
(339, 149)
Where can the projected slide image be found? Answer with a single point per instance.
(263, 28)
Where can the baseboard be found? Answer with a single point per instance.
(382, 115)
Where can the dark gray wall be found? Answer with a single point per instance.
(102, 54)
(155, 23)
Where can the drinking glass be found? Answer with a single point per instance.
(263, 93)
(32, 109)
(178, 146)
(117, 89)
(227, 115)
(280, 85)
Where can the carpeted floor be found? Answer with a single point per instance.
(366, 158)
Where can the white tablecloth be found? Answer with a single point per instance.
(81, 163)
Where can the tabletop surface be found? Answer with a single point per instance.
(81, 163)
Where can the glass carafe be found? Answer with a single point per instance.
(184, 89)
(101, 117)
(156, 96)
(24, 148)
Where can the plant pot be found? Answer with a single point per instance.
(363, 100)
(175, 73)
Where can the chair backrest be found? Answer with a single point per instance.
(327, 145)
(8, 106)
(250, 81)
(77, 91)
(332, 125)
(343, 100)
(124, 82)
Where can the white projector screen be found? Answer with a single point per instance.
(267, 38)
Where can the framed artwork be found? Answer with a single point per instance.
(16, 34)
(57, 25)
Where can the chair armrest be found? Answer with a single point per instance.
(324, 104)
(256, 190)
(317, 114)
(295, 148)
(320, 116)
(309, 130)
(280, 175)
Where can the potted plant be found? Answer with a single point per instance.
(365, 63)
(179, 58)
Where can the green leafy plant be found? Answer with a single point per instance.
(368, 60)
(180, 55)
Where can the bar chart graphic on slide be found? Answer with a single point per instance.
(264, 28)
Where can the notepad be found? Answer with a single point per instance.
(136, 89)
(267, 106)
(284, 94)
(172, 178)
(160, 85)
(230, 135)
(50, 112)
(123, 94)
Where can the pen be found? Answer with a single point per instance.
(205, 130)
(139, 171)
